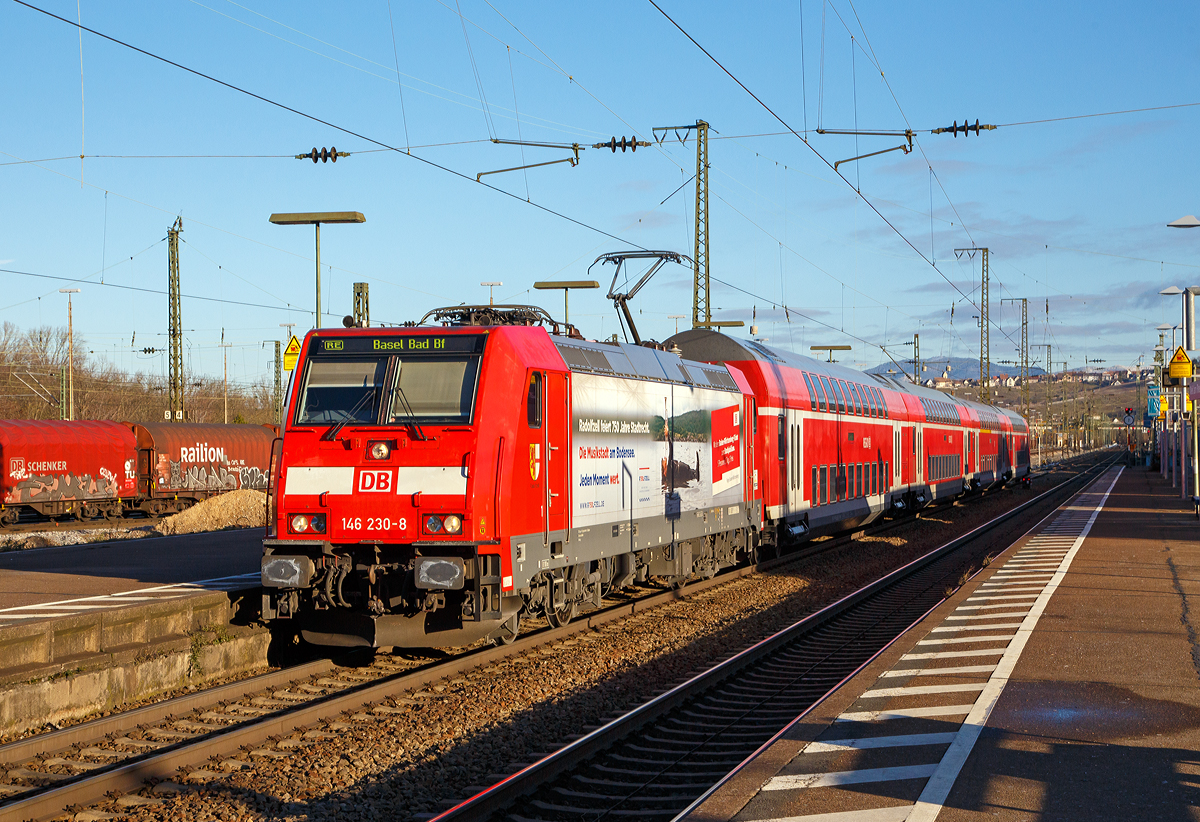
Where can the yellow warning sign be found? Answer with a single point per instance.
(292, 353)
(1180, 365)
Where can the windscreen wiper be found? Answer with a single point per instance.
(340, 424)
(408, 410)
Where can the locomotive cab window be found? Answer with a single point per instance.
(340, 391)
(440, 389)
(533, 401)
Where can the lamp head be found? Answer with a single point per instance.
(1189, 221)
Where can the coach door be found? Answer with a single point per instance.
(795, 493)
(558, 459)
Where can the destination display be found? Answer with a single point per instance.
(638, 443)
(414, 344)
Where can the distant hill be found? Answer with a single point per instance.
(961, 368)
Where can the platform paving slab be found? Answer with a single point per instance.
(1096, 717)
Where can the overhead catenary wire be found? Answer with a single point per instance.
(329, 124)
(784, 123)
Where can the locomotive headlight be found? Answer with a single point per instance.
(379, 451)
(303, 523)
(453, 524)
(433, 524)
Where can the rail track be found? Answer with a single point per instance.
(86, 763)
(654, 761)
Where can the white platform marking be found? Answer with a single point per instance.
(951, 654)
(922, 690)
(903, 741)
(829, 780)
(961, 669)
(932, 798)
(896, 813)
(904, 713)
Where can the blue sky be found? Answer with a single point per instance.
(1073, 211)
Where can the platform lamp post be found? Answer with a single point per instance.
(829, 348)
(70, 353)
(565, 286)
(1159, 431)
(1189, 344)
(315, 218)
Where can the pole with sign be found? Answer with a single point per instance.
(291, 354)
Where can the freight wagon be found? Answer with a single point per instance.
(93, 468)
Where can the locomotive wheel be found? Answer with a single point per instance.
(508, 631)
(558, 617)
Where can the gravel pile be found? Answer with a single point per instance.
(417, 753)
(44, 539)
(237, 509)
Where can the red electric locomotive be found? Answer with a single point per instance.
(435, 482)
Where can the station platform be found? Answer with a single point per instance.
(1061, 682)
(57, 581)
(94, 627)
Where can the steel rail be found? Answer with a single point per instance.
(162, 763)
(487, 803)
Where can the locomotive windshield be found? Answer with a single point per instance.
(394, 389)
(341, 391)
(434, 389)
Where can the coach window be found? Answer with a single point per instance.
(860, 400)
(533, 401)
(782, 437)
(824, 484)
(883, 402)
(874, 478)
(858, 479)
(812, 394)
(858, 406)
(822, 390)
(812, 492)
(841, 398)
(827, 394)
(871, 401)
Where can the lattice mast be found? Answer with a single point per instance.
(985, 330)
(1025, 358)
(362, 305)
(175, 326)
(701, 292)
(278, 396)
(701, 305)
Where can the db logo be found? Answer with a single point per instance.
(16, 468)
(375, 481)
